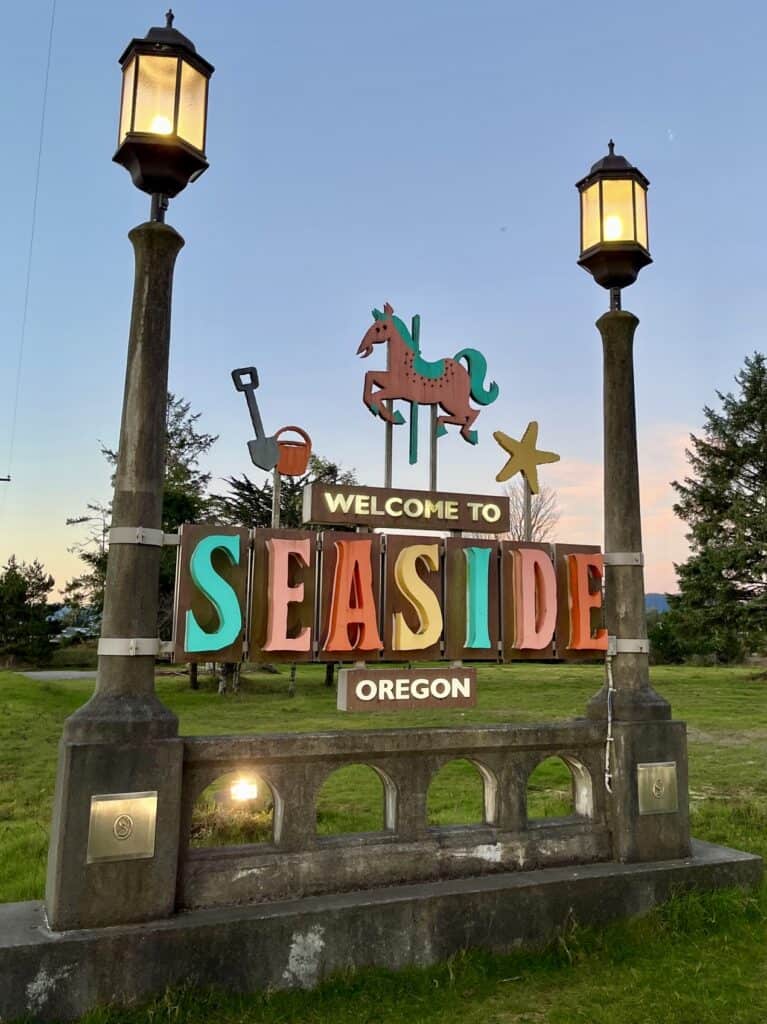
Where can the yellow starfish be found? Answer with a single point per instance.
(525, 457)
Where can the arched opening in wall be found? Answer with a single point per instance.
(238, 809)
(356, 798)
(551, 790)
(461, 793)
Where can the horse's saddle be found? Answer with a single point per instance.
(431, 370)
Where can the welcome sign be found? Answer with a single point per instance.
(300, 595)
(413, 510)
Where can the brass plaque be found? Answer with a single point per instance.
(657, 788)
(122, 826)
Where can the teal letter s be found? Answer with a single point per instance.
(220, 594)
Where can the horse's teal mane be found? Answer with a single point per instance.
(404, 333)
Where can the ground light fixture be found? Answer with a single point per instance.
(614, 240)
(243, 790)
(163, 113)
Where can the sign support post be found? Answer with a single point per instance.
(276, 497)
(527, 505)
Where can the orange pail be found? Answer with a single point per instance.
(294, 455)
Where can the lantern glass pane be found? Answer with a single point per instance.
(191, 110)
(126, 107)
(617, 210)
(590, 217)
(156, 95)
(640, 200)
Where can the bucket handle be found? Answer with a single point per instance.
(297, 430)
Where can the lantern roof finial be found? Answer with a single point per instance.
(613, 165)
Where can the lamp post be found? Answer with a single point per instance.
(614, 248)
(646, 752)
(120, 753)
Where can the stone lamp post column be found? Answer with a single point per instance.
(123, 744)
(115, 833)
(646, 752)
(626, 618)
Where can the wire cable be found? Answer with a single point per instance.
(609, 739)
(33, 228)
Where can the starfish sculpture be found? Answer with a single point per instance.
(524, 456)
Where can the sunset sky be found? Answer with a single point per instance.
(418, 153)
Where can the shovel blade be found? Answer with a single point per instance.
(264, 453)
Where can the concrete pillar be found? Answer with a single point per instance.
(124, 740)
(643, 732)
(635, 699)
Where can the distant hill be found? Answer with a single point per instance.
(656, 602)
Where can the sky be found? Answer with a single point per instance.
(418, 153)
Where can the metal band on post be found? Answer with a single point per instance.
(616, 645)
(142, 535)
(130, 647)
(623, 558)
(121, 647)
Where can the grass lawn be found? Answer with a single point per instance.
(700, 959)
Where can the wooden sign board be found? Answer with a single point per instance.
(365, 549)
(407, 510)
(564, 602)
(211, 574)
(293, 572)
(404, 610)
(398, 689)
(366, 597)
(472, 600)
(515, 597)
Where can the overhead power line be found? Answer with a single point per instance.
(33, 226)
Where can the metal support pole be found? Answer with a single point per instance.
(389, 436)
(626, 619)
(276, 498)
(389, 447)
(527, 507)
(433, 449)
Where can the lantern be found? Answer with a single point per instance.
(163, 114)
(614, 242)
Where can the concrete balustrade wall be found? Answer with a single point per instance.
(299, 862)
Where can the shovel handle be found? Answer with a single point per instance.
(249, 387)
(245, 385)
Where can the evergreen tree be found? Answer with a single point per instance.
(250, 504)
(721, 608)
(25, 628)
(184, 501)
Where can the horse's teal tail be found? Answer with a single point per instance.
(477, 366)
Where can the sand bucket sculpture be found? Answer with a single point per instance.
(294, 455)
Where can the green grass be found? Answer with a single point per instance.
(697, 960)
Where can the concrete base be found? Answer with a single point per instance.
(61, 975)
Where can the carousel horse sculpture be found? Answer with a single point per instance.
(408, 376)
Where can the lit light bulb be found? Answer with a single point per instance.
(243, 790)
(161, 125)
(613, 228)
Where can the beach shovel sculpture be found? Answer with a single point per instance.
(264, 451)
